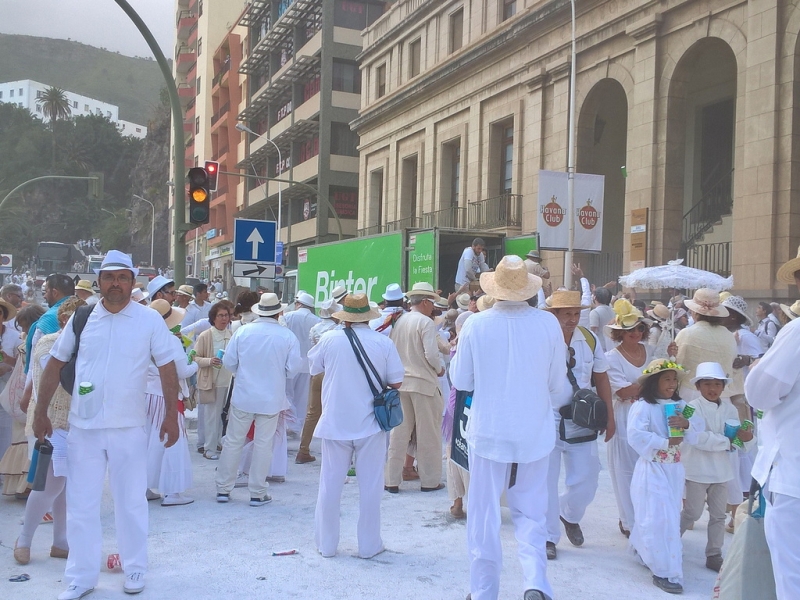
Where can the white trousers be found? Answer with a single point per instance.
(234, 441)
(201, 426)
(781, 525)
(621, 464)
(212, 419)
(527, 501)
(297, 389)
(280, 448)
(90, 453)
(582, 467)
(370, 454)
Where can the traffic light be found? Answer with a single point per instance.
(199, 196)
(212, 168)
(96, 185)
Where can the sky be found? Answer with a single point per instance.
(99, 23)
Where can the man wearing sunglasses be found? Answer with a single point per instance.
(161, 287)
(577, 446)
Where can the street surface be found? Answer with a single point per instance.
(215, 551)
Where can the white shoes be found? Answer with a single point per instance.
(176, 500)
(134, 583)
(74, 592)
(151, 495)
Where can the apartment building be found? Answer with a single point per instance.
(303, 89)
(25, 93)
(687, 107)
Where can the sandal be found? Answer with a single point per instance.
(22, 555)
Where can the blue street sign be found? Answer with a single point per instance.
(254, 240)
(279, 253)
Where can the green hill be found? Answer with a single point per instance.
(133, 84)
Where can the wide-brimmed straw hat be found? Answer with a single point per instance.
(462, 301)
(172, 315)
(117, 261)
(738, 305)
(511, 281)
(710, 370)
(659, 313)
(659, 366)
(185, 290)
(706, 302)
(328, 308)
(441, 304)
(564, 299)
(422, 288)
(356, 308)
(627, 316)
(787, 270)
(9, 310)
(268, 305)
(85, 285)
(792, 311)
(485, 302)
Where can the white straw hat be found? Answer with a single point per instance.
(788, 269)
(511, 281)
(117, 261)
(172, 315)
(706, 302)
(305, 299)
(393, 292)
(792, 311)
(329, 307)
(738, 305)
(268, 305)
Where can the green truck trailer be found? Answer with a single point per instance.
(368, 264)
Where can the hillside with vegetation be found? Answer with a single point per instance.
(133, 84)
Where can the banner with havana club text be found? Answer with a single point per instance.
(553, 223)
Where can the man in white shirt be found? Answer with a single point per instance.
(263, 356)
(393, 308)
(582, 463)
(199, 307)
(509, 432)
(161, 287)
(471, 264)
(348, 427)
(601, 315)
(107, 423)
(300, 321)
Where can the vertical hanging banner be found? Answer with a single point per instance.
(553, 222)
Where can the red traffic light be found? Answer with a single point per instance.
(212, 168)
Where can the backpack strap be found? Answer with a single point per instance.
(79, 322)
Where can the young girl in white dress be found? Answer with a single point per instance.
(658, 478)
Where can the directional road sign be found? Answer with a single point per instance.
(254, 269)
(254, 241)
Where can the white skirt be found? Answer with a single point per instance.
(168, 469)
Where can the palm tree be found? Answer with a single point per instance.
(55, 106)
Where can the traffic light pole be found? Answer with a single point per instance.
(179, 226)
(22, 185)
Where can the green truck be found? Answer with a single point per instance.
(368, 264)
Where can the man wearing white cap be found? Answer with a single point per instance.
(414, 335)
(327, 323)
(300, 321)
(393, 308)
(107, 423)
(263, 356)
(510, 431)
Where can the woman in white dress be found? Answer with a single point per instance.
(658, 478)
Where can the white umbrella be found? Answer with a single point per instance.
(675, 275)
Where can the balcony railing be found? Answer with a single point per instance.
(496, 213)
(710, 257)
(371, 230)
(716, 203)
(401, 224)
(454, 217)
(226, 66)
(223, 110)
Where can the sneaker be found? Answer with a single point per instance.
(714, 562)
(665, 584)
(574, 533)
(74, 592)
(242, 480)
(260, 501)
(552, 553)
(176, 500)
(134, 583)
(277, 479)
(223, 497)
(535, 595)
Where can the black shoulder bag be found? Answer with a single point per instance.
(386, 400)
(586, 410)
(78, 323)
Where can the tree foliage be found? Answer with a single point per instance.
(60, 210)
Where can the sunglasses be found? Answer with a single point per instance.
(571, 362)
(641, 328)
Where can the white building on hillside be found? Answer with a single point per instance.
(25, 93)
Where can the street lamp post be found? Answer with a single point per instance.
(246, 129)
(152, 225)
(571, 161)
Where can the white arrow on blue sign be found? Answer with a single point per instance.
(254, 240)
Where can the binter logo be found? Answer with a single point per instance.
(553, 213)
(355, 285)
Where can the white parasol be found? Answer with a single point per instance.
(675, 275)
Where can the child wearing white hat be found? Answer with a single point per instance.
(707, 462)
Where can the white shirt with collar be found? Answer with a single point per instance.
(195, 313)
(513, 357)
(300, 322)
(773, 386)
(114, 354)
(472, 263)
(347, 400)
(586, 363)
(262, 356)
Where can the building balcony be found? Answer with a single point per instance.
(223, 70)
(500, 212)
(192, 39)
(400, 224)
(369, 230)
(223, 110)
(185, 20)
(294, 71)
(184, 59)
(186, 92)
(454, 217)
(188, 126)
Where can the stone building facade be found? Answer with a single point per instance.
(687, 107)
